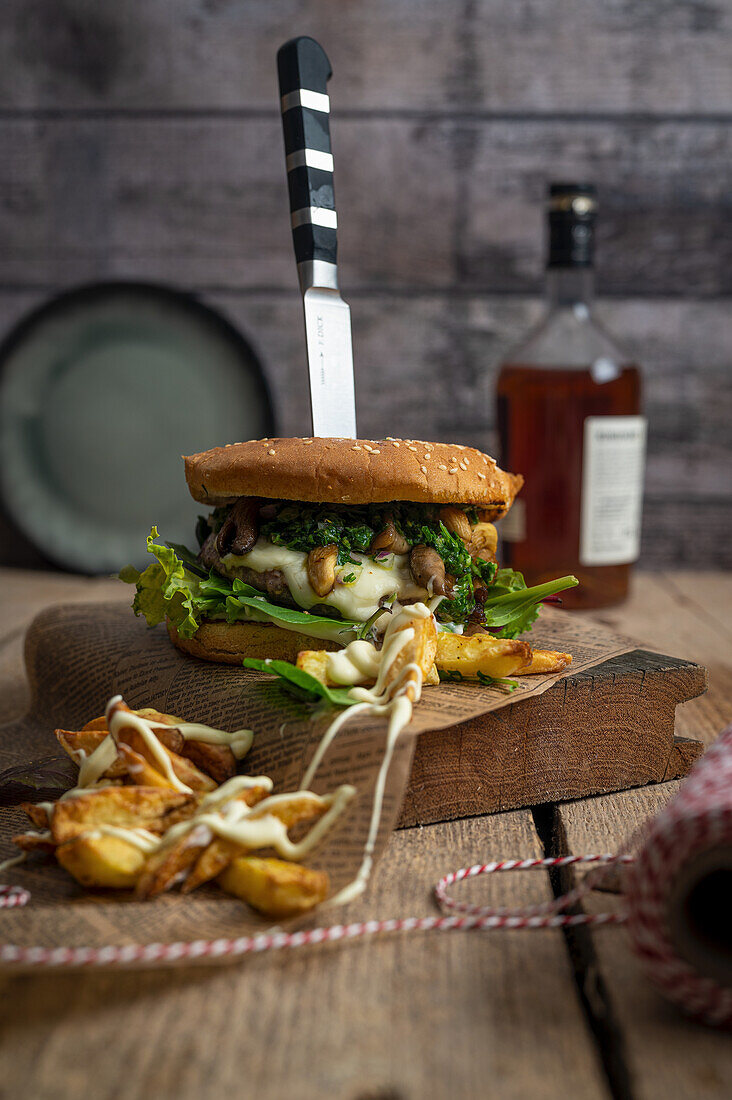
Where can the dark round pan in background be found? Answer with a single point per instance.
(102, 390)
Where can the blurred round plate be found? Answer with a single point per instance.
(101, 392)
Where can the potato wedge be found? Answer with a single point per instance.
(315, 662)
(546, 661)
(99, 723)
(432, 677)
(86, 742)
(211, 862)
(220, 851)
(141, 772)
(33, 842)
(497, 657)
(157, 716)
(102, 861)
(152, 715)
(422, 651)
(37, 814)
(292, 809)
(274, 887)
(184, 769)
(126, 807)
(171, 863)
(218, 761)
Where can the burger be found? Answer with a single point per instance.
(313, 543)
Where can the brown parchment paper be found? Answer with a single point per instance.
(77, 656)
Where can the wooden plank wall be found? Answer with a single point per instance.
(143, 140)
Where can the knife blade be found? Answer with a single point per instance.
(304, 70)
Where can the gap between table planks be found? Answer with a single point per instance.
(650, 1049)
(406, 1016)
(415, 1016)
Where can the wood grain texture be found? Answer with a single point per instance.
(398, 1017)
(650, 1028)
(403, 1017)
(425, 368)
(661, 1053)
(687, 613)
(415, 55)
(144, 142)
(203, 200)
(604, 729)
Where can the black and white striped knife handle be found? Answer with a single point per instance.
(304, 71)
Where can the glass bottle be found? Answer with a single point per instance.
(568, 409)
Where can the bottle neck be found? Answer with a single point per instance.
(570, 286)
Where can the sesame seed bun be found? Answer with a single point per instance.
(229, 643)
(351, 471)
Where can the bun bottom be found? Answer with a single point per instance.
(229, 643)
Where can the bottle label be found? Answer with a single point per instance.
(613, 461)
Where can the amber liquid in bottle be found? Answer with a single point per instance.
(541, 413)
(568, 405)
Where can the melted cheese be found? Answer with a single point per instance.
(357, 601)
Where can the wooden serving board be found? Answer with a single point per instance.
(606, 729)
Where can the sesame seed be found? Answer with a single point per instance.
(410, 447)
(485, 460)
(482, 477)
(375, 451)
(426, 457)
(462, 466)
(270, 452)
(307, 442)
(358, 448)
(394, 442)
(452, 470)
(442, 466)
(423, 469)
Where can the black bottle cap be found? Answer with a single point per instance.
(571, 209)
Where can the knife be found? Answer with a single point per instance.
(304, 71)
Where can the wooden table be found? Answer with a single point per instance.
(501, 1014)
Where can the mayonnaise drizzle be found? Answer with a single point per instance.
(394, 700)
(359, 661)
(222, 813)
(117, 719)
(240, 741)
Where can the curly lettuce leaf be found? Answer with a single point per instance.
(165, 590)
(175, 587)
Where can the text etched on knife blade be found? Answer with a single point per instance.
(320, 333)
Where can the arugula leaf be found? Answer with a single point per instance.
(297, 677)
(500, 682)
(515, 611)
(450, 676)
(453, 676)
(246, 600)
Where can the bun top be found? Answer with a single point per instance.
(351, 471)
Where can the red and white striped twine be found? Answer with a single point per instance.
(698, 819)
(475, 917)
